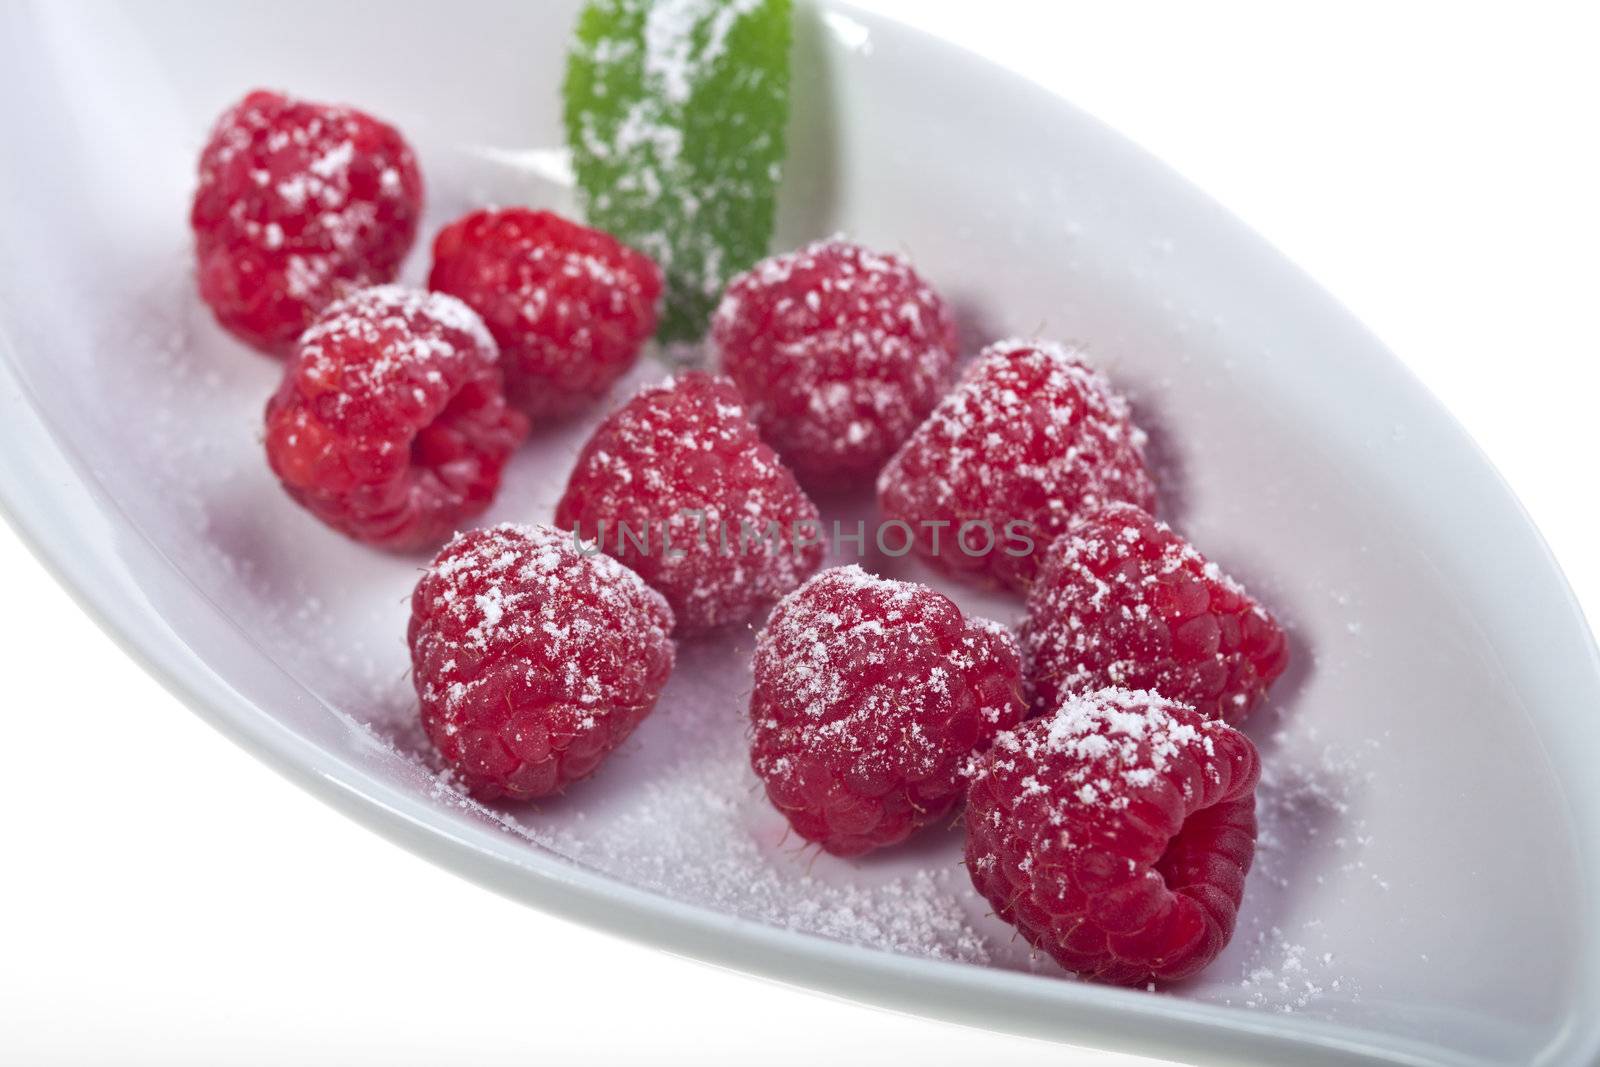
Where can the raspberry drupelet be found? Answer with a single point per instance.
(298, 203)
(390, 424)
(533, 660)
(1029, 439)
(1122, 600)
(678, 485)
(1115, 834)
(870, 697)
(840, 351)
(569, 306)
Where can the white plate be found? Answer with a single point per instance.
(1425, 884)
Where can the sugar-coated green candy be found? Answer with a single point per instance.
(675, 112)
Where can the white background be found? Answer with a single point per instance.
(165, 899)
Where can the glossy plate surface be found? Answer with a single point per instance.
(1431, 829)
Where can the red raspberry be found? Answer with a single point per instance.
(390, 424)
(840, 351)
(1031, 438)
(1122, 600)
(678, 485)
(870, 696)
(1116, 833)
(533, 659)
(298, 203)
(570, 306)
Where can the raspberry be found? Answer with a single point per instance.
(1029, 439)
(1122, 600)
(1116, 833)
(870, 696)
(840, 351)
(570, 306)
(678, 485)
(298, 203)
(533, 660)
(390, 424)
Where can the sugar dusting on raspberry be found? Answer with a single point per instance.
(347, 315)
(569, 305)
(321, 187)
(346, 644)
(717, 521)
(389, 423)
(1063, 380)
(841, 351)
(297, 201)
(694, 826)
(361, 317)
(1031, 433)
(690, 823)
(533, 659)
(1123, 600)
(1116, 834)
(815, 680)
(1123, 732)
(522, 590)
(1177, 555)
(869, 696)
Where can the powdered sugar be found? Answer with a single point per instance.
(296, 201)
(683, 41)
(869, 696)
(644, 80)
(1116, 834)
(389, 423)
(676, 810)
(1113, 739)
(529, 571)
(680, 813)
(1031, 433)
(1123, 600)
(673, 55)
(678, 484)
(533, 659)
(1310, 839)
(411, 327)
(842, 352)
(571, 306)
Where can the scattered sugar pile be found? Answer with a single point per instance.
(917, 914)
(694, 827)
(1304, 812)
